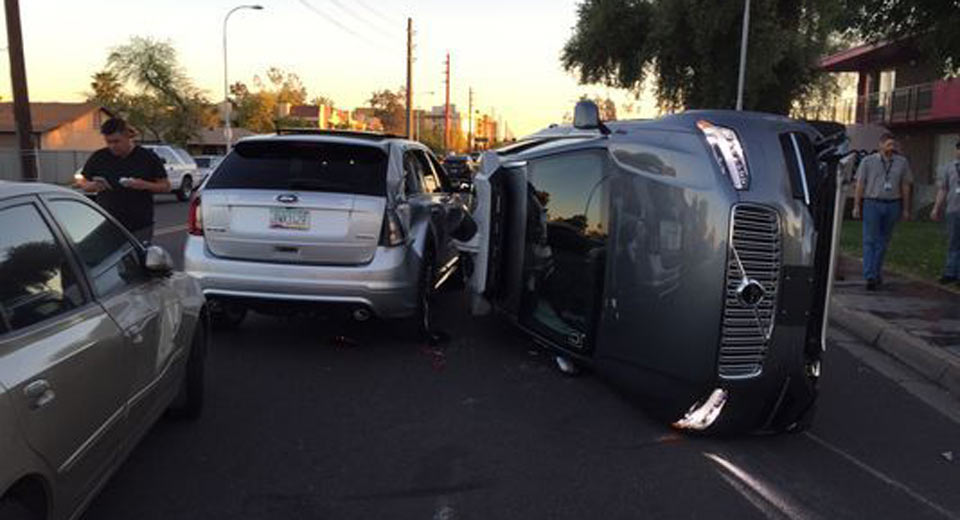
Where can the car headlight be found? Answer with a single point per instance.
(728, 150)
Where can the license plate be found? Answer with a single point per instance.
(289, 218)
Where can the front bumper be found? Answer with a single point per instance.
(386, 285)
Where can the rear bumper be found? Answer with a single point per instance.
(386, 285)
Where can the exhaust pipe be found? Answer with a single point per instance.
(361, 314)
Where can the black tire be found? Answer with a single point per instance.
(228, 316)
(186, 189)
(189, 402)
(12, 509)
(421, 323)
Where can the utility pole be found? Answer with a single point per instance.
(470, 124)
(409, 78)
(21, 98)
(743, 54)
(446, 109)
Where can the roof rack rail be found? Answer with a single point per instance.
(374, 136)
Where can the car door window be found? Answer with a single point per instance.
(441, 172)
(566, 245)
(431, 184)
(412, 174)
(185, 158)
(111, 259)
(37, 282)
(168, 157)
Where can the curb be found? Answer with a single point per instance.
(931, 362)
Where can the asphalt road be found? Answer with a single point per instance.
(303, 424)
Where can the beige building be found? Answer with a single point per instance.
(57, 126)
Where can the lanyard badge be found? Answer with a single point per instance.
(887, 166)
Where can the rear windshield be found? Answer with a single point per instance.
(303, 166)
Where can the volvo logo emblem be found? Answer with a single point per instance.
(288, 198)
(750, 293)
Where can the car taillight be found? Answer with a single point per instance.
(195, 217)
(391, 235)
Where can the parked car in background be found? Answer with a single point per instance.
(98, 337)
(460, 168)
(688, 259)
(181, 169)
(313, 221)
(205, 166)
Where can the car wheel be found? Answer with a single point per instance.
(189, 402)
(227, 316)
(11, 509)
(421, 325)
(186, 189)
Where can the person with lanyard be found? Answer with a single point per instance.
(125, 176)
(948, 193)
(882, 195)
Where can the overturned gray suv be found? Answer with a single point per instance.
(688, 259)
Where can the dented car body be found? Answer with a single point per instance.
(687, 259)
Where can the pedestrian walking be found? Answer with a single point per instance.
(882, 195)
(948, 196)
(125, 176)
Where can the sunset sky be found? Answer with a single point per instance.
(345, 49)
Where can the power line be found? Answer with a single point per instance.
(340, 25)
(388, 32)
(376, 12)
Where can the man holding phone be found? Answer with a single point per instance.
(125, 176)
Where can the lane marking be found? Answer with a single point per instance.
(882, 476)
(169, 230)
(773, 504)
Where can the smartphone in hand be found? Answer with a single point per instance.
(103, 182)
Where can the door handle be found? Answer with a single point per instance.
(39, 393)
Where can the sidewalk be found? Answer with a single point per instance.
(916, 322)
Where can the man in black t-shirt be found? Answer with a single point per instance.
(125, 176)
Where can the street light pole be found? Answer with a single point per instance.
(743, 54)
(227, 130)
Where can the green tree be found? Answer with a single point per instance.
(391, 108)
(164, 102)
(287, 86)
(258, 110)
(932, 24)
(108, 92)
(255, 111)
(692, 48)
(322, 100)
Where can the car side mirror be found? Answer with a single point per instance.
(158, 261)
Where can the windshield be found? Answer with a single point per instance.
(310, 166)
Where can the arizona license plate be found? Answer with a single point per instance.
(289, 218)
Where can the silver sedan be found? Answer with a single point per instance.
(98, 338)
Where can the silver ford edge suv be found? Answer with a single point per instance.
(323, 220)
